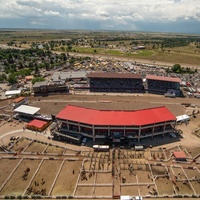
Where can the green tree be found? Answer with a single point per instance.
(4, 76)
(177, 68)
(12, 79)
(37, 79)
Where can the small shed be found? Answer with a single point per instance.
(179, 156)
(19, 101)
(37, 125)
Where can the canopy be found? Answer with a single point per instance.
(27, 109)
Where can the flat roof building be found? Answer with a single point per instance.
(45, 88)
(69, 76)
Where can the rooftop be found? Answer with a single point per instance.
(179, 155)
(39, 84)
(113, 75)
(163, 78)
(18, 99)
(27, 109)
(117, 117)
(37, 123)
(68, 75)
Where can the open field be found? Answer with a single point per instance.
(188, 54)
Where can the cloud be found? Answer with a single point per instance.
(102, 14)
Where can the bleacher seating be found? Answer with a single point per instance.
(115, 85)
(162, 87)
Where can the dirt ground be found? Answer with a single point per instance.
(36, 147)
(66, 181)
(21, 144)
(44, 177)
(164, 186)
(11, 187)
(6, 167)
(54, 106)
(54, 149)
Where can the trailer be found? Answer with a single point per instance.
(101, 147)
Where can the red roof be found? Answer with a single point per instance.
(19, 99)
(163, 78)
(179, 154)
(116, 118)
(113, 75)
(37, 123)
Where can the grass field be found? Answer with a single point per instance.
(184, 55)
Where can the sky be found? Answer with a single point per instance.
(180, 16)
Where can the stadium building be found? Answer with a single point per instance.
(163, 85)
(115, 125)
(115, 82)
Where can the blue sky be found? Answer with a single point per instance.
(182, 16)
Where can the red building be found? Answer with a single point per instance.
(115, 124)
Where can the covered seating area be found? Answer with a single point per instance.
(25, 113)
(115, 124)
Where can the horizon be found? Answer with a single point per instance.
(168, 16)
(98, 30)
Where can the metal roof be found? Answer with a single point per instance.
(12, 92)
(163, 78)
(27, 109)
(37, 123)
(39, 84)
(113, 75)
(68, 75)
(117, 117)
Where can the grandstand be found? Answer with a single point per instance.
(115, 125)
(115, 82)
(162, 85)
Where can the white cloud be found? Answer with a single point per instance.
(111, 13)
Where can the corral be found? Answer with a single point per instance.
(91, 174)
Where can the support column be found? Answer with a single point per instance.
(153, 131)
(124, 131)
(109, 131)
(79, 128)
(57, 125)
(139, 133)
(164, 129)
(67, 125)
(93, 133)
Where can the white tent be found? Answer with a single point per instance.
(30, 110)
(12, 92)
(182, 118)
